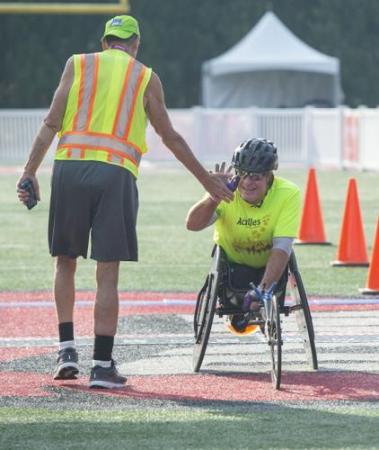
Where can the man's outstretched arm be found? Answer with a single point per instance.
(158, 116)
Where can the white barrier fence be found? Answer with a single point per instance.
(340, 137)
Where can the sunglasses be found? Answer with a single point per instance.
(252, 175)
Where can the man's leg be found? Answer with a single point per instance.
(106, 306)
(64, 294)
(64, 288)
(104, 373)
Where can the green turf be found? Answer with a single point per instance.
(172, 258)
(260, 426)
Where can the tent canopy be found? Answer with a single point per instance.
(271, 67)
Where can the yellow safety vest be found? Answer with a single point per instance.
(105, 119)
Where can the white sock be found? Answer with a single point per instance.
(66, 344)
(104, 364)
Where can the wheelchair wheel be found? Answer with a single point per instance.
(274, 336)
(205, 310)
(303, 314)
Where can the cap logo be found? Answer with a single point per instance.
(116, 22)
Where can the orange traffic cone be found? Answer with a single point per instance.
(352, 246)
(311, 226)
(372, 285)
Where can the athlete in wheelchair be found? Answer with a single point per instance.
(253, 234)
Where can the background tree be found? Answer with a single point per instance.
(178, 35)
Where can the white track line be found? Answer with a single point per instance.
(182, 302)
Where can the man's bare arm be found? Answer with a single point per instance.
(50, 126)
(159, 118)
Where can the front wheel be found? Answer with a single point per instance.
(205, 310)
(274, 336)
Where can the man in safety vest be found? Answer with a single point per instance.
(100, 111)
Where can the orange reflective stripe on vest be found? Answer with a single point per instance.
(104, 142)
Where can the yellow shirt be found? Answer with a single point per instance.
(246, 232)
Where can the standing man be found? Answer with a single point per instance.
(100, 111)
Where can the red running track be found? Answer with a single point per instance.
(20, 322)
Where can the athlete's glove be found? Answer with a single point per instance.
(267, 295)
(233, 183)
(253, 299)
(256, 297)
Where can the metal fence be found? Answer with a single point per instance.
(340, 137)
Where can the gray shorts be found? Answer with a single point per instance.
(90, 198)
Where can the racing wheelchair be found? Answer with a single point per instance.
(214, 298)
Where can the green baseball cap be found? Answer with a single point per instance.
(122, 27)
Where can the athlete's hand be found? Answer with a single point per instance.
(265, 295)
(216, 184)
(230, 180)
(252, 300)
(224, 175)
(222, 172)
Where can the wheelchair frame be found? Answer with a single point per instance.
(210, 302)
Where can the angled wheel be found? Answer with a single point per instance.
(205, 310)
(274, 337)
(303, 314)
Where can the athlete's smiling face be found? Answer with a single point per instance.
(253, 187)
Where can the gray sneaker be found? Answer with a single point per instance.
(67, 365)
(106, 377)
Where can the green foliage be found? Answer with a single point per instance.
(172, 258)
(178, 35)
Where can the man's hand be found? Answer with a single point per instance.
(23, 194)
(217, 188)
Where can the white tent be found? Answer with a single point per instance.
(271, 68)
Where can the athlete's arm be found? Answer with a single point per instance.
(277, 261)
(202, 214)
(276, 264)
(286, 228)
(157, 113)
(50, 126)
